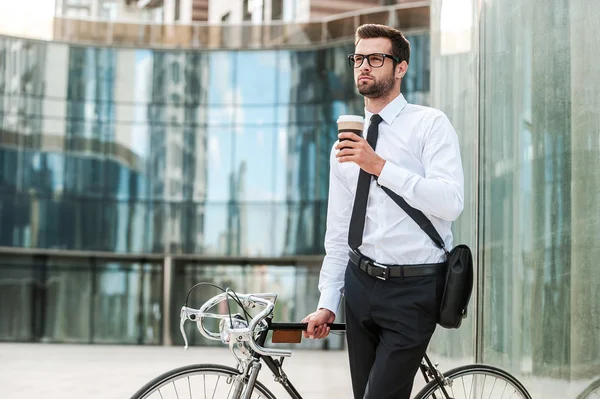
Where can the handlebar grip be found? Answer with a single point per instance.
(302, 326)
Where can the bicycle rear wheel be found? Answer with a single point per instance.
(198, 381)
(476, 381)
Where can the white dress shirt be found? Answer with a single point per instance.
(423, 166)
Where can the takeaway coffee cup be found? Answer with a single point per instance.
(350, 123)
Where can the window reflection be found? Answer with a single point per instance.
(68, 298)
(142, 151)
(220, 158)
(221, 69)
(255, 77)
(127, 303)
(253, 165)
(177, 159)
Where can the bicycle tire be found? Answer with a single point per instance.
(593, 388)
(432, 388)
(169, 377)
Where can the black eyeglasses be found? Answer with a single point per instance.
(375, 60)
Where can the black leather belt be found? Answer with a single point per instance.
(384, 272)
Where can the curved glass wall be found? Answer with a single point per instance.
(123, 157)
(137, 151)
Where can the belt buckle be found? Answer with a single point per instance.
(384, 270)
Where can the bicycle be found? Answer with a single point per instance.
(246, 337)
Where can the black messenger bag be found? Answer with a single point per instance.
(459, 274)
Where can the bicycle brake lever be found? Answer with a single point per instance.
(181, 323)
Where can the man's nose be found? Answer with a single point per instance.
(365, 67)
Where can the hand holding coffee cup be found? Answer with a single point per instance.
(350, 123)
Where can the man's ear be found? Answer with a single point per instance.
(401, 69)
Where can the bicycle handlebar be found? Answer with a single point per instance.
(242, 334)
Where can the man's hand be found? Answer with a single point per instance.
(317, 323)
(357, 150)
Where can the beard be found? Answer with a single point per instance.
(376, 88)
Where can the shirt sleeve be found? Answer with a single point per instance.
(339, 210)
(440, 192)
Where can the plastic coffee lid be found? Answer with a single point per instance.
(350, 118)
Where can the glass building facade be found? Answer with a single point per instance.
(127, 174)
(116, 161)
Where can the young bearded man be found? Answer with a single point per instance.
(390, 317)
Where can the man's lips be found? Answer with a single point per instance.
(364, 77)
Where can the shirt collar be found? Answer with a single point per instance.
(390, 111)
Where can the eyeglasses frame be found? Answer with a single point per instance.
(367, 57)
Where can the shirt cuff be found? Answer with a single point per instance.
(391, 174)
(330, 299)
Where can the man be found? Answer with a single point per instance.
(391, 312)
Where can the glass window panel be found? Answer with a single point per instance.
(158, 225)
(17, 218)
(125, 311)
(252, 178)
(68, 300)
(296, 162)
(285, 74)
(186, 225)
(256, 229)
(9, 158)
(256, 77)
(221, 89)
(50, 230)
(17, 282)
(220, 155)
(85, 175)
(126, 226)
(81, 224)
(218, 228)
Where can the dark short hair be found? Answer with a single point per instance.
(400, 46)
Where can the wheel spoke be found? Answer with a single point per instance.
(505, 386)
(492, 390)
(215, 391)
(175, 388)
(464, 388)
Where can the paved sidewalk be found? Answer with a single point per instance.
(105, 371)
(49, 371)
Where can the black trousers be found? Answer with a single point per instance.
(388, 327)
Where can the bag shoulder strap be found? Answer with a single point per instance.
(418, 216)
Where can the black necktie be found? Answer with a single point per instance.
(359, 211)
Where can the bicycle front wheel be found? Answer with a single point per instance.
(199, 381)
(476, 381)
(591, 392)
